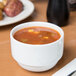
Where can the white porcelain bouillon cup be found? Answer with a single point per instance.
(37, 58)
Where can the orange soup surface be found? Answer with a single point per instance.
(37, 35)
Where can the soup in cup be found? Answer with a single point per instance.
(37, 46)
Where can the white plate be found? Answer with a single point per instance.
(28, 9)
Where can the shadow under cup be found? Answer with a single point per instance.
(37, 58)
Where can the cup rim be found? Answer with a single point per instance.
(11, 34)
